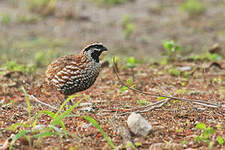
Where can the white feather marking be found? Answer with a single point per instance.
(64, 72)
(73, 77)
(76, 72)
(71, 67)
(69, 82)
(65, 77)
(59, 79)
(59, 73)
(55, 81)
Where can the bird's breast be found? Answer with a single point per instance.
(78, 80)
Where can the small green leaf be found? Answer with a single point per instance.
(218, 126)
(210, 130)
(161, 98)
(44, 134)
(115, 59)
(129, 81)
(183, 142)
(198, 138)
(64, 103)
(130, 145)
(200, 126)
(11, 102)
(138, 144)
(17, 136)
(123, 89)
(14, 126)
(58, 118)
(142, 102)
(27, 102)
(220, 140)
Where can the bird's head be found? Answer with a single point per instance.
(93, 51)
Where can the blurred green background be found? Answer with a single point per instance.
(38, 31)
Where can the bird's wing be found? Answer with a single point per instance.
(58, 65)
(72, 64)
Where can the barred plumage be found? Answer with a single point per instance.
(75, 73)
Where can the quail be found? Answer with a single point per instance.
(75, 73)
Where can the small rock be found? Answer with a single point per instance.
(39, 127)
(166, 146)
(185, 68)
(138, 125)
(89, 109)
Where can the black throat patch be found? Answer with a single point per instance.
(95, 55)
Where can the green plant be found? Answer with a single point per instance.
(207, 57)
(32, 130)
(5, 18)
(161, 98)
(181, 91)
(39, 43)
(131, 62)
(42, 58)
(95, 123)
(129, 83)
(163, 61)
(128, 26)
(110, 2)
(13, 66)
(207, 134)
(130, 145)
(171, 49)
(28, 19)
(220, 140)
(142, 102)
(138, 144)
(183, 142)
(217, 80)
(193, 7)
(29, 130)
(44, 7)
(174, 72)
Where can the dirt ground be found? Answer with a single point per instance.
(75, 24)
(154, 21)
(173, 123)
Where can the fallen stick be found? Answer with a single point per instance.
(199, 102)
(38, 101)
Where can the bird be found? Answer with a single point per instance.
(75, 73)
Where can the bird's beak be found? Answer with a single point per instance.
(104, 49)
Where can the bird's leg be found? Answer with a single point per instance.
(70, 101)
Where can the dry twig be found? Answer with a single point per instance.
(38, 101)
(162, 102)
